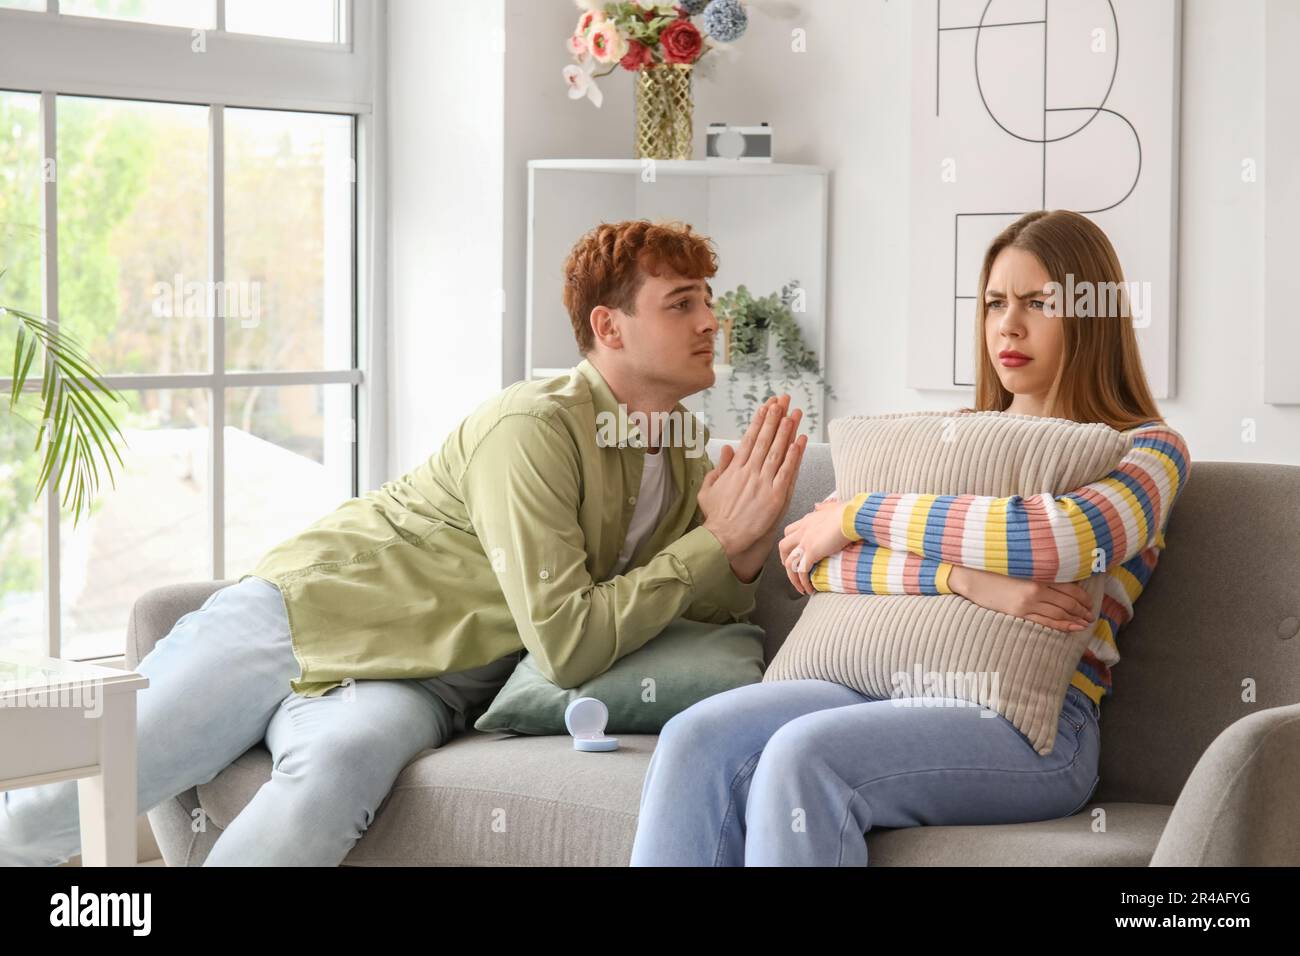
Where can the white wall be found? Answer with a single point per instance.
(845, 104)
(445, 95)
(543, 123)
(1221, 242)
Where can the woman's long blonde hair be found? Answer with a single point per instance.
(1101, 378)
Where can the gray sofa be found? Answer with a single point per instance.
(1191, 773)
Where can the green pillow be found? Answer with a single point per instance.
(687, 661)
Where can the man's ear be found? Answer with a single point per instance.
(604, 327)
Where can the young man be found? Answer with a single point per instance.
(378, 631)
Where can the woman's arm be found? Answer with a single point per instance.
(864, 568)
(1043, 537)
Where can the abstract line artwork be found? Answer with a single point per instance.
(1020, 105)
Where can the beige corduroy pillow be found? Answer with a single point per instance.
(918, 646)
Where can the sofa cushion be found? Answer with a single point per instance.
(942, 645)
(1131, 833)
(499, 800)
(485, 800)
(687, 662)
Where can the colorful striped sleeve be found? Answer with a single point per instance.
(1042, 537)
(864, 568)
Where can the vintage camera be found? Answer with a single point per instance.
(747, 144)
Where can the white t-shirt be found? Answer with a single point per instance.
(651, 503)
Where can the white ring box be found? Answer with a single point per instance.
(586, 718)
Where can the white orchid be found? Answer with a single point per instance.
(581, 83)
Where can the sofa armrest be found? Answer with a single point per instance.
(1238, 806)
(155, 613)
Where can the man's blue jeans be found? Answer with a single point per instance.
(219, 684)
(794, 773)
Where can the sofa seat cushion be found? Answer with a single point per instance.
(485, 799)
(1132, 832)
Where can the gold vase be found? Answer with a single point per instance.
(663, 111)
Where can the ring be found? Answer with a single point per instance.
(795, 555)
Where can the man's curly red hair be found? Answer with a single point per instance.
(609, 264)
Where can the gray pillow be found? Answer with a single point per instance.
(682, 665)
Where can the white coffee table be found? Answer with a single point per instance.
(65, 720)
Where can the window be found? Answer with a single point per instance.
(321, 21)
(288, 186)
(179, 13)
(205, 254)
(22, 527)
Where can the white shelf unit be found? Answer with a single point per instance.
(768, 222)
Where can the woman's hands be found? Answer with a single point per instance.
(1062, 605)
(814, 536)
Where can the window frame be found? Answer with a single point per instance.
(55, 54)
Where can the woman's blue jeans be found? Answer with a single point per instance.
(794, 773)
(218, 685)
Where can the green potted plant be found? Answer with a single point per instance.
(750, 325)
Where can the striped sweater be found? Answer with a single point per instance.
(908, 543)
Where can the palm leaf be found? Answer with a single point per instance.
(27, 364)
(93, 426)
(73, 418)
(18, 358)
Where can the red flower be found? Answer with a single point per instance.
(638, 56)
(682, 43)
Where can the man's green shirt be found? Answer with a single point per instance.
(505, 539)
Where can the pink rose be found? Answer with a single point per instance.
(589, 19)
(606, 43)
(682, 43)
(638, 56)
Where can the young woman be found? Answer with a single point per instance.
(796, 772)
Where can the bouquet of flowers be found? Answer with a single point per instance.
(638, 33)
